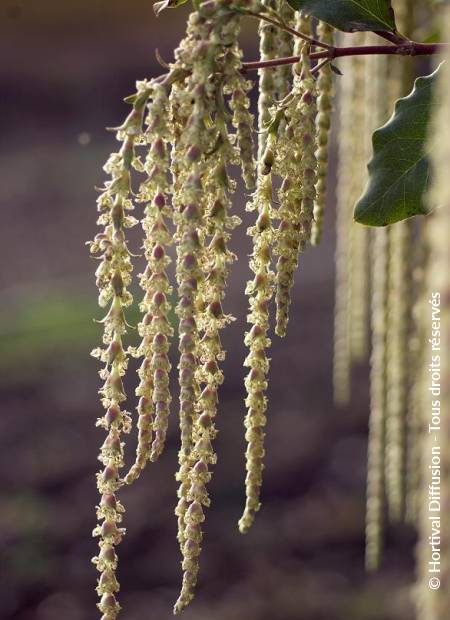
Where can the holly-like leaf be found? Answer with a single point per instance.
(350, 15)
(158, 7)
(399, 172)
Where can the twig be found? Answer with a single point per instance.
(287, 28)
(408, 48)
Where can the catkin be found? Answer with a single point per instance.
(260, 292)
(363, 127)
(400, 302)
(323, 124)
(375, 457)
(113, 278)
(341, 359)
(202, 186)
(155, 328)
(375, 88)
(295, 160)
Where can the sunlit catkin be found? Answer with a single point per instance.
(155, 329)
(344, 206)
(399, 314)
(203, 188)
(323, 123)
(375, 506)
(113, 278)
(375, 456)
(358, 259)
(295, 160)
(259, 291)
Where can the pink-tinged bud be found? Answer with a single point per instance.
(194, 513)
(160, 340)
(308, 97)
(190, 262)
(117, 284)
(193, 531)
(159, 299)
(107, 554)
(309, 173)
(218, 210)
(117, 216)
(256, 375)
(209, 395)
(201, 469)
(109, 529)
(186, 377)
(158, 252)
(188, 325)
(113, 414)
(144, 405)
(263, 222)
(160, 200)
(160, 376)
(112, 444)
(194, 153)
(187, 343)
(108, 602)
(191, 212)
(191, 549)
(205, 420)
(215, 309)
(307, 139)
(187, 360)
(194, 181)
(158, 148)
(110, 473)
(218, 243)
(109, 501)
(114, 349)
(256, 331)
(212, 367)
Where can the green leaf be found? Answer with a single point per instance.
(350, 15)
(399, 172)
(158, 7)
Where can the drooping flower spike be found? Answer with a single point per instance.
(113, 278)
(186, 132)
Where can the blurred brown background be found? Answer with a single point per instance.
(64, 70)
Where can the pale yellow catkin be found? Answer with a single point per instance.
(400, 303)
(344, 207)
(296, 164)
(259, 291)
(377, 71)
(359, 267)
(325, 33)
(113, 279)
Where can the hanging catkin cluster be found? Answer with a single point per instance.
(185, 132)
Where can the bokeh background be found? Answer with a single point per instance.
(64, 70)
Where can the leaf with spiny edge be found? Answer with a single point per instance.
(399, 172)
(158, 7)
(350, 15)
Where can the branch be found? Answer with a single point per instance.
(409, 48)
(286, 28)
